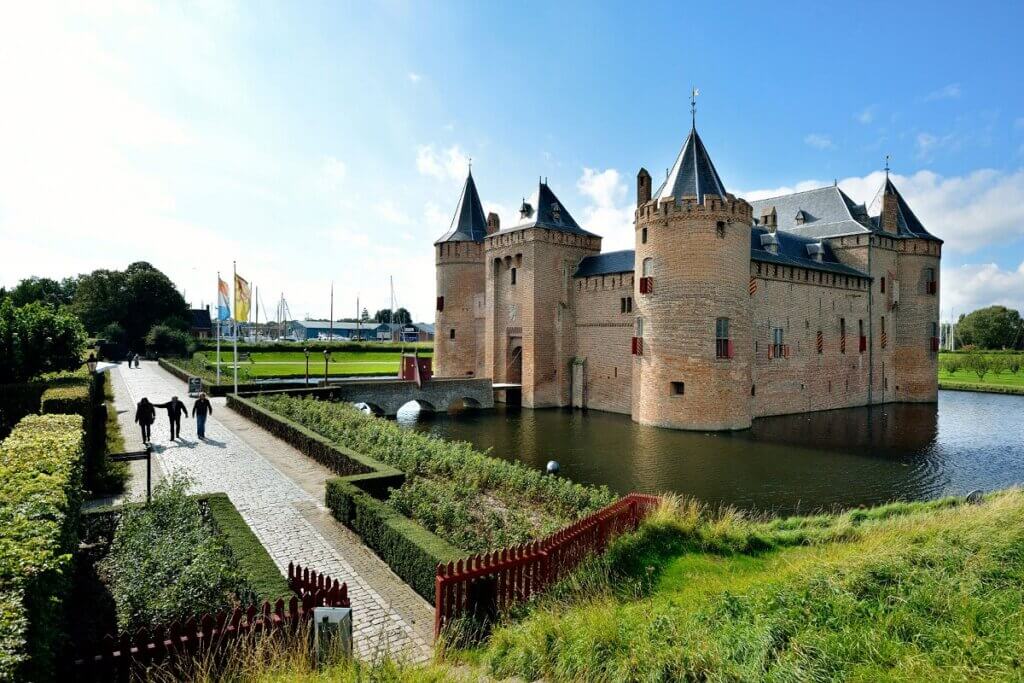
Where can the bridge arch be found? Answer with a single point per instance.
(462, 404)
(420, 404)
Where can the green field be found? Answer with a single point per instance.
(293, 364)
(1001, 380)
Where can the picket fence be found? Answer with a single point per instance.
(115, 658)
(484, 585)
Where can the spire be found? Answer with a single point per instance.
(469, 223)
(693, 174)
(897, 216)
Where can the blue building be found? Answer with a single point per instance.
(305, 330)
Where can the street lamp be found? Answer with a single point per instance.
(327, 358)
(306, 351)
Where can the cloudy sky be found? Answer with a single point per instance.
(318, 142)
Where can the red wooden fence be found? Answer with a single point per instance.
(486, 584)
(116, 657)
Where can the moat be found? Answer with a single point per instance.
(802, 462)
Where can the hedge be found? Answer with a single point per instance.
(41, 465)
(411, 551)
(260, 572)
(17, 401)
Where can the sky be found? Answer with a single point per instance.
(318, 142)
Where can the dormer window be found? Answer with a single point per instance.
(801, 217)
(526, 210)
(556, 211)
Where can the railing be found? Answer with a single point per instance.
(115, 658)
(482, 586)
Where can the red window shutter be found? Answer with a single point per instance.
(863, 344)
(933, 287)
(785, 350)
(771, 351)
(638, 346)
(935, 344)
(440, 303)
(728, 349)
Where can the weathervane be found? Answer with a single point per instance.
(693, 106)
(470, 164)
(886, 166)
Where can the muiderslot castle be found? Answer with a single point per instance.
(725, 311)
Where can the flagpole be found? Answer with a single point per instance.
(256, 297)
(234, 272)
(330, 334)
(218, 327)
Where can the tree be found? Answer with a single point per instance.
(382, 316)
(36, 339)
(164, 340)
(364, 316)
(43, 290)
(403, 317)
(978, 363)
(136, 299)
(994, 327)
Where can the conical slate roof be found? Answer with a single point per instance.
(469, 223)
(550, 213)
(693, 174)
(907, 224)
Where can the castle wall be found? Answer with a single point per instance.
(603, 333)
(460, 274)
(916, 363)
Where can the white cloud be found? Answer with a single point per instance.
(414, 77)
(391, 213)
(449, 164)
(332, 175)
(928, 144)
(819, 141)
(867, 114)
(973, 286)
(436, 218)
(606, 215)
(946, 92)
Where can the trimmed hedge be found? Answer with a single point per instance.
(255, 563)
(411, 551)
(41, 465)
(17, 401)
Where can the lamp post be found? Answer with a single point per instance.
(306, 351)
(327, 358)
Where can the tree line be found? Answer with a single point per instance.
(990, 328)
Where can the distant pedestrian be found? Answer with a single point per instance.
(145, 415)
(136, 360)
(175, 409)
(200, 409)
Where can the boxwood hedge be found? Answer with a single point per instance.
(41, 465)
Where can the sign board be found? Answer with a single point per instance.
(332, 632)
(195, 385)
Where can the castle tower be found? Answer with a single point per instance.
(914, 302)
(459, 318)
(692, 360)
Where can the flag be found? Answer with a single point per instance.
(243, 299)
(223, 301)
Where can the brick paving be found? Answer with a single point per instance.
(279, 493)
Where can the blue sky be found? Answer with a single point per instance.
(319, 142)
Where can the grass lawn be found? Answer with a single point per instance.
(910, 591)
(1003, 379)
(293, 364)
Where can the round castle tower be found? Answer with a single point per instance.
(461, 284)
(692, 361)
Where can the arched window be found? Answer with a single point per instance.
(648, 267)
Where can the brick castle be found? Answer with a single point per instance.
(726, 310)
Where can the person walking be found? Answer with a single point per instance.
(136, 360)
(145, 415)
(175, 409)
(200, 409)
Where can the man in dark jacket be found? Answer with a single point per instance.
(145, 414)
(175, 409)
(200, 409)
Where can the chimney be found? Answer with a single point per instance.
(890, 210)
(493, 223)
(643, 187)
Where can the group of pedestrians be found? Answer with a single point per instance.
(145, 415)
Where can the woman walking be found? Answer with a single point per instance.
(145, 415)
(200, 409)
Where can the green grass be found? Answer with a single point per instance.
(293, 364)
(966, 377)
(909, 591)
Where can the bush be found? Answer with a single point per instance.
(254, 562)
(978, 363)
(951, 364)
(164, 340)
(1013, 364)
(166, 562)
(997, 364)
(36, 339)
(40, 489)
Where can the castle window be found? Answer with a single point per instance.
(842, 335)
(929, 281)
(883, 285)
(440, 303)
(778, 347)
(451, 333)
(640, 327)
(723, 344)
(513, 276)
(647, 267)
(677, 388)
(821, 342)
(863, 339)
(643, 236)
(720, 229)
(626, 304)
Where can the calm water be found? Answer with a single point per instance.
(802, 462)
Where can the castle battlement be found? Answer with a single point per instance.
(737, 209)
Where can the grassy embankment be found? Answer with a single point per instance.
(955, 372)
(293, 364)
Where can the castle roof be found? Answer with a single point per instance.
(607, 264)
(907, 224)
(549, 213)
(793, 251)
(469, 223)
(819, 213)
(693, 174)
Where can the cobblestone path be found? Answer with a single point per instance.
(282, 509)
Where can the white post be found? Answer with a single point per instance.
(218, 327)
(234, 270)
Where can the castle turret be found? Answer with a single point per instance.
(459, 318)
(692, 367)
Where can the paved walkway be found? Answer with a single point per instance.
(279, 493)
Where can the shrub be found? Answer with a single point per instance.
(978, 363)
(952, 363)
(166, 563)
(997, 364)
(40, 489)
(164, 340)
(1013, 364)
(36, 339)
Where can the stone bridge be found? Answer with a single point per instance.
(386, 396)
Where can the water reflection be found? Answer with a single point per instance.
(800, 462)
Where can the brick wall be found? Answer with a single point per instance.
(603, 333)
(460, 280)
(916, 363)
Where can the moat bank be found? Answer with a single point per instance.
(837, 458)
